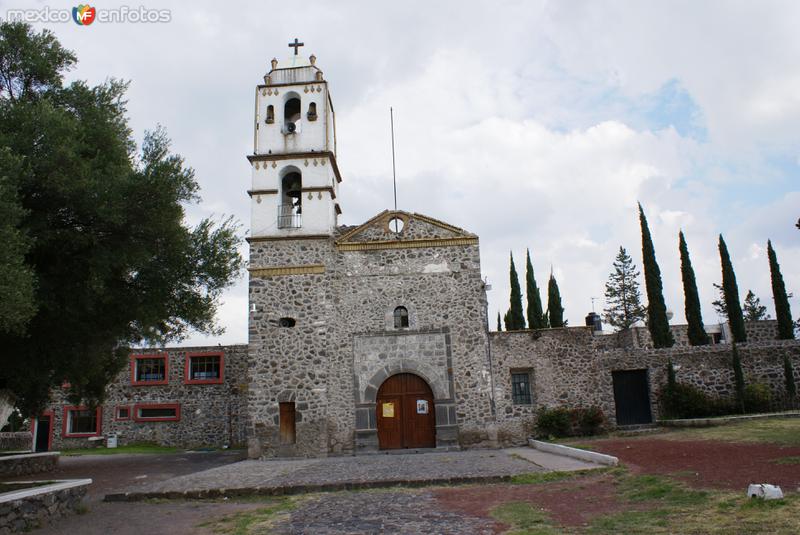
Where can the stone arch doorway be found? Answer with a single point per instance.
(405, 413)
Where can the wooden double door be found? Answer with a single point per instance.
(406, 417)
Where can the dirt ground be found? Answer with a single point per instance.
(708, 464)
(570, 503)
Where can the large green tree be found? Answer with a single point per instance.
(555, 312)
(783, 312)
(730, 291)
(534, 309)
(515, 315)
(657, 321)
(623, 299)
(110, 258)
(694, 317)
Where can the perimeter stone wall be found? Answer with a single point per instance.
(571, 367)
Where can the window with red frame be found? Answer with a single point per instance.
(81, 422)
(149, 369)
(123, 413)
(162, 412)
(204, 368)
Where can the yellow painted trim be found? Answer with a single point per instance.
(311, 269)
(406, 244)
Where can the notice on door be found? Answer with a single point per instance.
(387, 410)
(422, 406)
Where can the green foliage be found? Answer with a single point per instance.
(499, 325)
(30, 63)
(731, 292)
(657, 321)
(555, 312)
(534, 310)
(671, 380)
(719, 303)
(623, 299)
(514, 319)
(753, 310)
(788, 377)
(694, 317)
(14, 423)
(783, 312)
(687, 401)
(17, 280)
(757, 397)
(111, 258)
(738, 379)
(565, 422)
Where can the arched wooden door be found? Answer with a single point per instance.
(406, 416)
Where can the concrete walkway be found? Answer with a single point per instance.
(279, 477)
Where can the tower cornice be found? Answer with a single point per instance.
(297, 156)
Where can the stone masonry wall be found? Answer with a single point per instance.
(28, 513)
(15, 441)
(28, 463)
(570, 367)
(211, 415)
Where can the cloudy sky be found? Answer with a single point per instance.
(533, 124)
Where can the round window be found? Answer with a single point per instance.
(396, 225)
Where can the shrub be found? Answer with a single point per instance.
(554, 422)
(590, 420)
(757, 397)
(686, 401)
(564, 422)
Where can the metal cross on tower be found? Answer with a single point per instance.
(296, 45)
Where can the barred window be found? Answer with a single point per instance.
(521, 388)
(149, 369)
(204, 368)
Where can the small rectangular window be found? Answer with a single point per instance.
(81, 422)
(149, 369)
(161, 412)
(521, 388)
(123, 413)
(204, 368)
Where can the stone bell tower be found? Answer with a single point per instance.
(295, 176)
(294, 203)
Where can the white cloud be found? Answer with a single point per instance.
(517, 120)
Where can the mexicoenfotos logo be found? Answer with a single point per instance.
(83, 15)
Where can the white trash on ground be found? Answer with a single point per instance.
(764, 491)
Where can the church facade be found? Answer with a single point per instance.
(375, 336)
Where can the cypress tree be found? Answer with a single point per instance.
(738, 378)
(535, 316)
(515, 311)
(554, 309)
(731, 291)
(788, 375)
(696, 330)
(657, 321)
(782, 311)
(499, 326)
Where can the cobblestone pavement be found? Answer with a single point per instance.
(380, 512)
(419, 467)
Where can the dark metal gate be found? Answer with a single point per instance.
(632, 397)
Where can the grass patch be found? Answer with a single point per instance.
(787, 460)
(538, 478)
(253, 522)
(783, 431)
(524, 519)
(631, 522)
(658, 488)
(130, 448)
